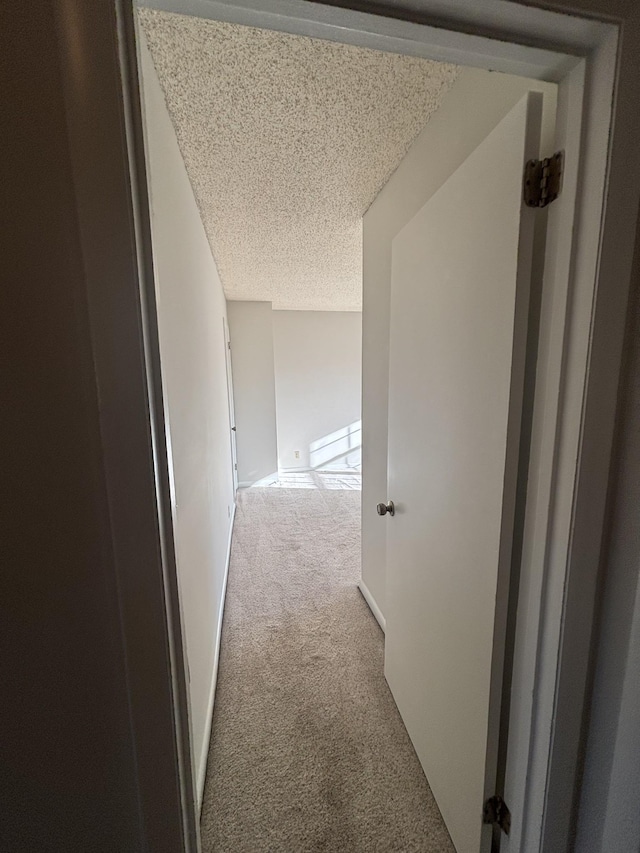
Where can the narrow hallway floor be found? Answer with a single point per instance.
(308, 751)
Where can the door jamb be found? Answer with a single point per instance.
(134, 132)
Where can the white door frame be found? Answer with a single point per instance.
(585, 342)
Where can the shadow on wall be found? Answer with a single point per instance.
(339, 450)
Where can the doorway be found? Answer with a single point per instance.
(296, 372)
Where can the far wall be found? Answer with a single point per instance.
(297, 388)
(318, 367)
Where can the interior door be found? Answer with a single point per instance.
(459, 306)
(232, 414)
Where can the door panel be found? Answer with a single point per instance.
(459, 303)
(232, 413)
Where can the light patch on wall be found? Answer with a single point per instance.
(287, 140)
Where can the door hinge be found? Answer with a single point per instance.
(543, 180)
(496, 812)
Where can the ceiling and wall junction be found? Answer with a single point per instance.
(287, 140)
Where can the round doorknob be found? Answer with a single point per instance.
(383, 509)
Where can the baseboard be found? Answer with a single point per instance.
(373, 606)
(202, 769)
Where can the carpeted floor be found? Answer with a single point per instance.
(308, 751)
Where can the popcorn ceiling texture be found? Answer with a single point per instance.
(287, 140)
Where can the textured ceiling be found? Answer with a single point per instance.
(287, 140)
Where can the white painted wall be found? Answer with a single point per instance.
(191, 306)
(254, 389)
(318, 368)
(475, 104)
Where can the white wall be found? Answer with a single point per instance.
(470, 110)
(318, 366)
(251, 332)
(191, 307)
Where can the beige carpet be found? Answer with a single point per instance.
(308, 751)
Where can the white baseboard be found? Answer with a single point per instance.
(202, 768)
(373, 606)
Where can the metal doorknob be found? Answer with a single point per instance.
(383, 509)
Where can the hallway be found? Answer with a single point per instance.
(308, 751)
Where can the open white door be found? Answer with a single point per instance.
(459, 305)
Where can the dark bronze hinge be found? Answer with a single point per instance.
(495, 812)
(543, 180)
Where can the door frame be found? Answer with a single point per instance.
(600, 74)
